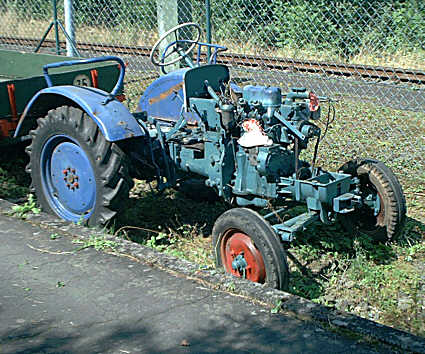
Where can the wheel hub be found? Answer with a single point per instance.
(241, 258)
(71, 178)
(239, 263)
(68, 178)
(373, 201)
(373, 212)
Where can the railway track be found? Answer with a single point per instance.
(264, 62)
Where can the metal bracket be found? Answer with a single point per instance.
(289, 228)
(343, 204)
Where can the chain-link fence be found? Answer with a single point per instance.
(367, 51)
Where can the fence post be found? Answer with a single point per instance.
(208, 25)
(69, 28)
(170, 13)
(55, 24)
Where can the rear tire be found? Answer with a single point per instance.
(76, 173)
(244, 230)
(376, 181)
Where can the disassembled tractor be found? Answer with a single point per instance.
(243, 143)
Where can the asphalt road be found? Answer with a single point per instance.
(54, 299)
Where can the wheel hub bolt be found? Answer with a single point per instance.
(70, 178)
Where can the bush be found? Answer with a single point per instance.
(38, 10)
(344, 26)
(113, 13)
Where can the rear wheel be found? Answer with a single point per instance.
(246, 246)
(76, 173)
(383, 212)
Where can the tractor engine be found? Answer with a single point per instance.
(243, 142)
(282, 122)
(272, 135)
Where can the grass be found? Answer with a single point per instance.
(382, 282)
(97, 242)
(30, 206)
(400, 58)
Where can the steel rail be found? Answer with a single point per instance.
(247, 60)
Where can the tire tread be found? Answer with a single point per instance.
(394, 199)
(110, 163)
(263, 236)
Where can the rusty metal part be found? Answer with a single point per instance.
(12, 101)
(94, 78)
(174, 89)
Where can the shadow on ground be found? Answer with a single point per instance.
(243, 333)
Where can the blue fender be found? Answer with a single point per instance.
(113, 118)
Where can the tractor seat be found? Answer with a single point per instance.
(194, 80)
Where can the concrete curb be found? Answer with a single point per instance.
(290, 304)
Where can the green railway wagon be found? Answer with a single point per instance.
(21, 77)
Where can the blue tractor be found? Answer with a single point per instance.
(243, 143)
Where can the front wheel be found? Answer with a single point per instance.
(76, 173)
(247, 246)
(383, 211)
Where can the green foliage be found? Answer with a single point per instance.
(231, 286)
(112, 13)
(29, 206)
(10, 186)
(304, 286)
(343, 27)
(394, 288)
(97, 242)
(277, 307)
(54, 236)
(180, 243)
(40, 10)
(108, 13)
(414, 252)
(230, 17)
(157, 241)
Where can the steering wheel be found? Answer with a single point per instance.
(176, 45)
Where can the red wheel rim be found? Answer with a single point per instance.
(233, 243)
